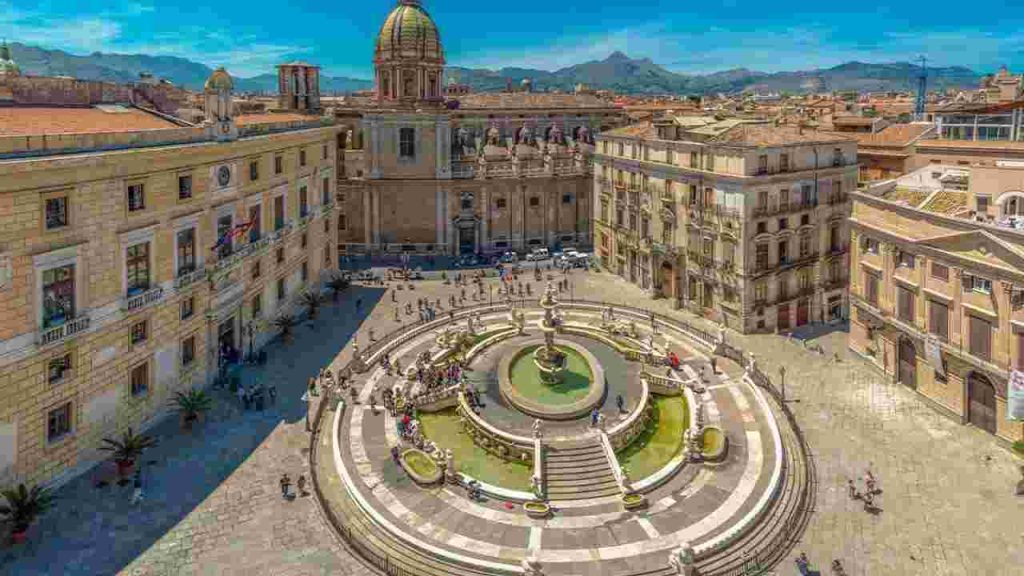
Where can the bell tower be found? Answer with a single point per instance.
(217, 99)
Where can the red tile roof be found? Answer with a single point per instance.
(892, 136)
(273, 118)
(26, 121)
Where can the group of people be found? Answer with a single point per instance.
(803, 565)
(252, 397)
(286, 486)
(871, 490)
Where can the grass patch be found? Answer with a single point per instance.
(712, 440)
(660, 441)
(421, 464)
(443, 427)
(574, 386)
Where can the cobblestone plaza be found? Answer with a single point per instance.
(212, 503)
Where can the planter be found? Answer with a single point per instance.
(715, 444)
(634, 501)
(537, 509)
(420, 467)
(19, 537)
(124, 467)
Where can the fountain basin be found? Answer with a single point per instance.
(580, 388)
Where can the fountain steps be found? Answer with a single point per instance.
(579, 472)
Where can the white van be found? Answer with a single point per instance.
(538, 254)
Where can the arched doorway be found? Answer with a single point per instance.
(981, 402)
(1013, 204)
(907, 363)
(668, 280)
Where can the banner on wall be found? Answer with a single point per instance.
(1015, 396)
(934, 353)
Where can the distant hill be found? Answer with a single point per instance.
(642, 76)
(127, 67)
(617, 72)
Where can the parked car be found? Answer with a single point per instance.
(538, 254)
(509, 257)
(366, 276)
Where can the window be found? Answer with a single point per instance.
(137, 267)
(760, 292)
(981, 337)
(871, 288)
(278, 164)
(938, 319)
(57, 369)
(805, 219)
(783, 251)
(255, 224)
(566, 198)
(708, 247)
(323, 152)
(136, 197)
(622, 149)
(188, 350)
(303, 202)
(256, 270)
(139, 332)
(186, 240)
(257, 305)
(905, 259)
(761, 256)
(783, 289)
(762, 227)
(304, 272)
(278, 212)
(280, 289)
(783, 223)
(870, 245)
(805, 245)
(327, 225)
(499, 203)
(254, 170)
(977, 284)
(342, 222)
(905, 304)
(304, 240)
(58, 422)
(645, 225)
(225, 242)
(280, 255)
(407, 142)
(837, 156)
(56, 212)
(325, 191)
(783, 162)
(327, 257)
(694, 160)
(803, 280)
(670, 156)
(835, 270)
(693, 194)
(534, 201)
(58, 296)
(139, 379)
(762, 164)
(184, 186)
(302, 157)
(711, 162)
(188, 307)
(834, 241)
(983, 202)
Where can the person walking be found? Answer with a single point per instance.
(286, 485)
(852, 488)
(620, 402)
(594, 414)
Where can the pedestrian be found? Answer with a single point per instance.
(801, 566)
(395, 454)
(620, 402)
(312, 387)
(837, 568)
(714, 365)
(393, 297)
(137, 492)
(286, 484)
(594, 414)
(302, 485)
(242, 398)
(272, 393)
(852, 488)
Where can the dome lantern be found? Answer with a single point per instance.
(408, 56)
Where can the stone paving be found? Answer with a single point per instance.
(213, 506)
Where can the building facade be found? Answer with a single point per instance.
(134, 250)
(741, 221)
(938, 298)
(470, 174)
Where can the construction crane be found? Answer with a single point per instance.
(922, 88)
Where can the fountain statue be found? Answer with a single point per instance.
(549, 360)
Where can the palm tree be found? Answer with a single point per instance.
(191, 404)
(284, 323)
(311, 300)
(23, 506)
(337, 284)
(126, 450)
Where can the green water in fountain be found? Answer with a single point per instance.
(574, 384)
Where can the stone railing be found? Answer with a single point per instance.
(140, 301)
(663, 385)
(64, 331)
(494, 440)
(613, 463)
(437, 399)
(190, 278)
(622, 433)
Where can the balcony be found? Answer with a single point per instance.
(834, 199)
(64, 331)
(140, 301)
(702, 260)
(188, 277)
(773, 209)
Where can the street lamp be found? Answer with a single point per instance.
(782, 381)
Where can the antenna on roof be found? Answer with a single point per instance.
(922, 87)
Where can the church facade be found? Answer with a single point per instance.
(481, 174)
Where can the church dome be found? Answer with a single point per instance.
(409, 32)
(219, 80)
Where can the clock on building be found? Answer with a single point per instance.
(223, 175)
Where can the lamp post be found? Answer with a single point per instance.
(490, 294)
(782, 381)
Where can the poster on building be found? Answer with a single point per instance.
(1015, 396)
(934, 354)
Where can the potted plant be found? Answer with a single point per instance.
(191, 404)
(284, 324)
(23, 506)
(537, 509)
(337, 284)
(633, 501)
(126, 450)
(311, 300)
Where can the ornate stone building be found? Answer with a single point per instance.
(938, 296)
(739, 220)
(479, 174)
(134, 246)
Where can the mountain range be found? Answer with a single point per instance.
(617, 72)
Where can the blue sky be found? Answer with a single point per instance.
(249, 36)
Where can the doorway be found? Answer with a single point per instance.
(981, 398)
(467, 240)
(907, 369)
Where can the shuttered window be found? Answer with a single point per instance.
(938, 319)
(981, 338)
(871, 288)
(905, 302)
